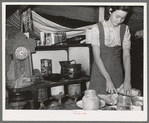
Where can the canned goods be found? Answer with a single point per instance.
(46, 66)
(74, 90)
(48, 39)
(38, 42)
(52, 38)
(42, 39)
(42, 94)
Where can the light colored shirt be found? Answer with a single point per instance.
(112, 36)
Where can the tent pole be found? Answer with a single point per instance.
(101, 13)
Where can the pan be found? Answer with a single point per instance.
(54, 76)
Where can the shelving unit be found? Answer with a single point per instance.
(61, 47)
(48, 84)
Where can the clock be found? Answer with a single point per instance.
(21, 53)
(22, 48)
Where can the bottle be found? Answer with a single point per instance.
(90, 100)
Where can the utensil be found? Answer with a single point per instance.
(131, 96)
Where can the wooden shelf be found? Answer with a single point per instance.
(48, 84)
(59, 47)
(42, 84)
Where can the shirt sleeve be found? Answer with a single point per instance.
(126, 40)
(95, 35)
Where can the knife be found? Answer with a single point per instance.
(125, 95)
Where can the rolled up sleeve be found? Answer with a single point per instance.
(126, 40)
(95, 35)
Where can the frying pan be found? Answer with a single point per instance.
(54, 77)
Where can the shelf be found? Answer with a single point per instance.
(62, 82)
(59, 47)
(48, 84)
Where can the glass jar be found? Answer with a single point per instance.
(90, 100)
(124, 103)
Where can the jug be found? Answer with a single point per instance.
(90, 100)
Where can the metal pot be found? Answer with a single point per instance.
(73, 71)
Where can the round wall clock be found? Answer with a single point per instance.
(21, 53)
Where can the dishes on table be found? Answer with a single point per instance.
(101, 102)
(137, 101)
(110, 99)
(133, 108)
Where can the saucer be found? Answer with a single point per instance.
(102, 104)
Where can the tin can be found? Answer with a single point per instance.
(42, 94)
(38, 42)
(57, 92)
(42, 38)
(74, 90)
(53, 38)
(48, 39)
(46, 66)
